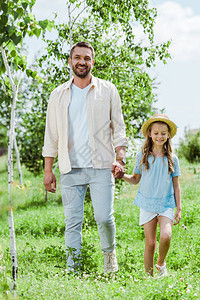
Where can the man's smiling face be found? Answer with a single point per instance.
(81, 62)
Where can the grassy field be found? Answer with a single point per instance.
(39, 227)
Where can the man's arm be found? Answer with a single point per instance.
(119, 164)
(49, 177)
(118, 133)
(117, 122)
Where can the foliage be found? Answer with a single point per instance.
(190, 147)
(42, 270)
(17, 21)
(119, 59)
(3, 137)
(5, 281)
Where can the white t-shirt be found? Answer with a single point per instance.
(78, 144)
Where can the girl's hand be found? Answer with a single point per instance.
(177, 216)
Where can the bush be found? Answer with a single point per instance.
(190, 148)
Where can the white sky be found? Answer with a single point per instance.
(178, 21)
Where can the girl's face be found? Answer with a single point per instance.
(159, 133)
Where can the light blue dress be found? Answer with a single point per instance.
(156, 192)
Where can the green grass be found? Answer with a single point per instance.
(39, 228)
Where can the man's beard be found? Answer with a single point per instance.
(82, 75)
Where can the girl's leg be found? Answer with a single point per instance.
(150, 245)
(165, 238)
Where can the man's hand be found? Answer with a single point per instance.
(49, 179)
(118, 169)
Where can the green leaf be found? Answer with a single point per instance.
(16, 14)
(16, 39)
(13, 53)
(4, 7)
(31, 73)
(20, 11)
(50, 25)
(31, 3)
(43, 24)
(37, 31)
(3, 20)
(24, 5)
(11, 30)
(11, 46)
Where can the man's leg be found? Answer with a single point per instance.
(73, 203)
(102, 194)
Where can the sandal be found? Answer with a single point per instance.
(162, 270)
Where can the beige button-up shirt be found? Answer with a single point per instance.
(105, 124)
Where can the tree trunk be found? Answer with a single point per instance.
(70, 31)
(18, 161)
(13, 251)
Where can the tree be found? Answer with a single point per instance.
(16, 21)
(190, 147)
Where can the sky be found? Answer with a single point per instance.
(178, 81)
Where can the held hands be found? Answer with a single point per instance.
(177, 216)
(118, 169)
(49, 179)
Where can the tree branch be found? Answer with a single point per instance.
(78, 15)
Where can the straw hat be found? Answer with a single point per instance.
(159, 118)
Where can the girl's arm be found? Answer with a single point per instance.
(134, 179)
(177, 194)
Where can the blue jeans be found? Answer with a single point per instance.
(73, 189)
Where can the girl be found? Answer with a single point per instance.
(159, 192)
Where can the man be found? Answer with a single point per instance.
(84, 124)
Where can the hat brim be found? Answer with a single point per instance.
(172, 125)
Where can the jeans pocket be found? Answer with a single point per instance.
(68, 195)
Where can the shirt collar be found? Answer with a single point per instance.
(93, 82)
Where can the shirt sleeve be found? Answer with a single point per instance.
(50, 148)
(117, 120)
(137, 169)
(177, 171)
